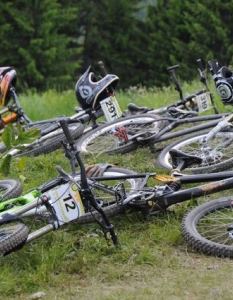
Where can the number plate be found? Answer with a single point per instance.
(203, 102)
(111, 108)
(66, 202)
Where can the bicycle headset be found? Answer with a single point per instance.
(7, 79)
(90, 90)
(224, 85)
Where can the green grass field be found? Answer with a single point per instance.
(152, 262)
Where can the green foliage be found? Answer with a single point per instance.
(12, 142)
(186, 31)
(115, 37)
(137, 40)
(41, 50)
(25, 137)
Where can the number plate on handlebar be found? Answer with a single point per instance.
(111, 108)
(203, 101)
(66, 202)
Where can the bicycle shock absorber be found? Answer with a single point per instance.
(175, 185)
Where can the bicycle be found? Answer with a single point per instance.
(140, 197)
(62, 200)
(214, 148)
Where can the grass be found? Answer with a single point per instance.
(152, 262)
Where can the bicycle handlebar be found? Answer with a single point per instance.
(102, 68)
(20, 109)
(86, 191)
(105, 73)
(201, 70)
(214, 66)
(200, 65)
(67, 133)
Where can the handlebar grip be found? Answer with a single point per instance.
(173, 68)
(200, 65)
(102, 68)
(214, 66)
(66, 131)
(104, 73)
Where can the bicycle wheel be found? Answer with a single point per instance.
(121, 136)
(12, 236)
(208, 228)
(105, 193)
(218, 157)
(50, 140)
(10, 188)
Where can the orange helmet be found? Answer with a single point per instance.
(7, 79)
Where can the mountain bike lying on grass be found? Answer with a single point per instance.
(67, 198)
(215, 147)
(77, 198)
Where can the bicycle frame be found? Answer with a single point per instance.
(164, 134)
(164, 195)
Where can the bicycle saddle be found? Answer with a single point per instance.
(134, 109)
(181, 160)
(180, 113)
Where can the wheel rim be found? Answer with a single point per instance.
(113, 138)
(214, 225)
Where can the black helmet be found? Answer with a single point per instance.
(224, 85)
(90, 90)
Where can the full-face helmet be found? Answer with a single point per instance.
(224, 85)
(90, 90)
(7, 79)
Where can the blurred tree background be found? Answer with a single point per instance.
(51, 42)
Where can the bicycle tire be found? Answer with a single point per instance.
(190, 145)
(110, 206)
(12, 236)
(102, 139)
(52, 143)
(10, 188)
(205, 228)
